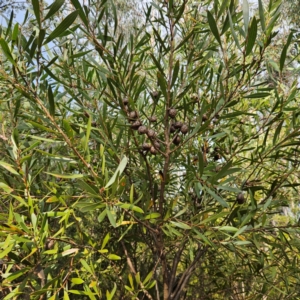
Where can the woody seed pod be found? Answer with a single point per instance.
(172, 128)
(125, 101)
(217, 156)
(172, 112)
(194, 97)
(177, 124)
(177, 140)
(240, 198)
(184, 129)
(133, 115)
(135, 125)
(146, 146)
(155, 94)
(151, 133)
(204, 118)
(156, 144)
(142, 130)
(153, 151)
(152, 119)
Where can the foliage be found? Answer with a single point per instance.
(150, 167)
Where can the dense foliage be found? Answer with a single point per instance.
(150, 165)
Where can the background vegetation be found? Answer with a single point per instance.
(149, 152)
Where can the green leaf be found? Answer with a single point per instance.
(8, 167)
(86, 266)
(240, 231)
(180, 225)
(77, 280)
(15, 32)
(251, 36)
(111, 217)
(7, 249)
(51, 101)
(113, 257)
(6, 51)
(82, 15)
(284, 51)
(6, 188)
(130, 207)
(148, 277)
(89, 188)
(233, 32)
(277, 131)
(257, 95)
(216, 197)
(246, 14)
(87, 134)
(36, 9)
(228, 228)
(54, 7)
(105, 241)
(62, 27)
(175, 73)
(152, 216)
(66, 176)
(261, 15)
(118, 172)
(213, 27)
(162, 83)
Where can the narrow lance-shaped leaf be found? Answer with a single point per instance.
(82, 15)
(119, 171)
(175, 73)
(36, 9)
(62, 27)
(232, 31)
(6, 51)
(213, 27)
(246, 14)
(87, 135)
(162, 84)
(54, 7)
(51, 101)
(261, 15)
(284, 51)
(15, 32)
(252, 32)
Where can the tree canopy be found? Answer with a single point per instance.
(156, 163)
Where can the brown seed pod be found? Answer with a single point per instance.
(142, 130)
(152, 119)
(177, 124)
(240, 198)
(184, 129)
(146, 146)
(133, 115)
(153, 151)
(206, 150)
(172, 128)
(49, 244)
(151, 133)
(172, 112)
(156, 144)
(125, 101)
(217, 156)
(216, 149)
(155, 94)
(194, 97)
(204, 118)
(177, 140)
(135, 125)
